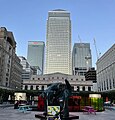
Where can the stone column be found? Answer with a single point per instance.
(23, 87)
(28, 87)
(86, 88)
(75, 88)
(34, 87)
(80, 88)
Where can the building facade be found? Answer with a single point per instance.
(10, 67)
(27, 71)
(106, 70)
(91, 75)
(35, 55)
(16, 73)
(38, 82)
(58, 42)
(81, 58)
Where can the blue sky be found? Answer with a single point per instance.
(90, 19)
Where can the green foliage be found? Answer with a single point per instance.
(110, 95)
(4, 94)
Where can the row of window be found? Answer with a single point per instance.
(42, 88)
(106, 85)
(55, 78)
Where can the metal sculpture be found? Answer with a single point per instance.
(57, 93)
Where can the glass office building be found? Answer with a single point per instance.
(58, 42)
(81, 58)
(35, 55)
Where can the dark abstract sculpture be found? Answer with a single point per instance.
(57, 93)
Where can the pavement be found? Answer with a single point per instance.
(9, 113)
(6, 105)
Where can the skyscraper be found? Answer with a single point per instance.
(58, 42)
(81, 58)
(35, 55)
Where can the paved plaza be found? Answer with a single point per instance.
(9, 113)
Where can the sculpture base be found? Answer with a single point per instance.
(43, 117)
(71, 117)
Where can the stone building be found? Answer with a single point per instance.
(41, 82)
(106, 70)
(91, 75)
(27, 71)
(10, 67)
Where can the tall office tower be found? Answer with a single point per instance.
(58, 42)
(35, 56)
(81, 58)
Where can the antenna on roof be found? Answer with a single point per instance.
(98, 54)
(79, 39)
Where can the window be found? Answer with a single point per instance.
(9, 48)
(104, 86)
(6, 79)
(42, 87)
(72, 88)
(31, 87)
(83, 88)
(26, 87)
(75, 50)
(6, 84)
(78, 88)
(37, 87)
(7, 74)
(89, 88)
(110, 84)
(107, 84)
(113, 83)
